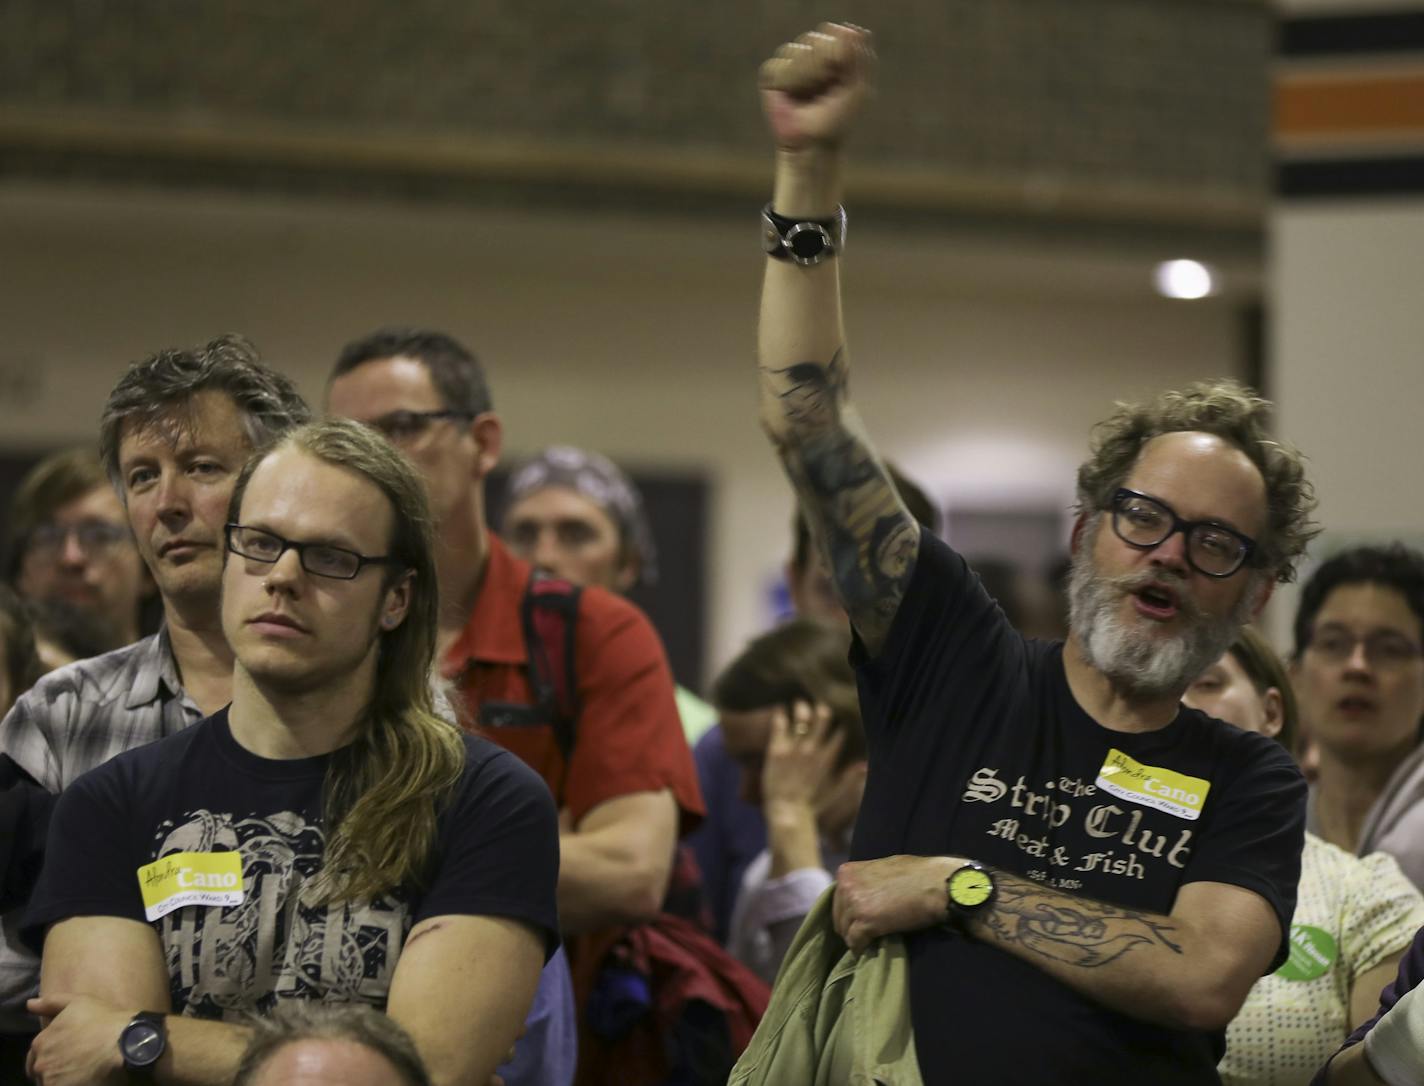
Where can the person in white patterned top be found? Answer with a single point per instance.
(175, 432)
(1354, 916)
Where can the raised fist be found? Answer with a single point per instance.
(812, 87)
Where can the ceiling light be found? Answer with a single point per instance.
(1183, 279)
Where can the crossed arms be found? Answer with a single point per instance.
(461, 989)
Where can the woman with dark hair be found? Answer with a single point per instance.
(1354, 916)
(1358, 671)
(791, 718)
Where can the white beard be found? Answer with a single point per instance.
(1143, 665)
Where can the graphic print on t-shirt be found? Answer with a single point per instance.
(1110, 835)
(224, 961)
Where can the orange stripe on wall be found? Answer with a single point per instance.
(1322, 105)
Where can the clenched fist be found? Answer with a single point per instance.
(813, 86)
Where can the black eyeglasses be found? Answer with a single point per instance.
(322, 559)
(405, 425)
(1384, 649)
(1144, 522)
(50, 537)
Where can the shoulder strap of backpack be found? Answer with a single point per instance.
(550, 621)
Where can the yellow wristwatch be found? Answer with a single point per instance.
(969, 891)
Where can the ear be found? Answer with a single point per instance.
(488, 433)
(397, 602)
(1263, 593)
(1080, 527)
(1274, 707)
(626, 576)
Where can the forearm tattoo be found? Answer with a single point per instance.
(870, 541)
(1075, 931)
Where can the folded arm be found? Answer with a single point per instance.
(97, 973)
(462, 989)
(1188, 970)
(615, 865)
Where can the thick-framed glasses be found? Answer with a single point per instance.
(322, 559)
(408, 425)
(50, 537)
(1212, 548)
(1383, 648)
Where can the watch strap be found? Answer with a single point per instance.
(802, 241)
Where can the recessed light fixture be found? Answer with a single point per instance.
(1184, 279)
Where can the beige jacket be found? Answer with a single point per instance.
(835, 1019)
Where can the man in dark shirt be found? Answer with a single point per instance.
(1090, 877)
(325, 837)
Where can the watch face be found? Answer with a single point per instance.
(142, 1044)
(969, 887)
(808, 241)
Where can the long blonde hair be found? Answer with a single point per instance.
(384, 791)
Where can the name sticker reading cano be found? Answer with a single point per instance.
(190, 878)
(1175, 793)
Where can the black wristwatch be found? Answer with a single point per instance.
(143, 1041)
(802, 241)
(968, 892)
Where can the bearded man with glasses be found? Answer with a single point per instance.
(1090, 876)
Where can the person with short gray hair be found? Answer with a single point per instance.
(177, 429)
(310, 1044)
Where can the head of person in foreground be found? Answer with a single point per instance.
(1189, 513)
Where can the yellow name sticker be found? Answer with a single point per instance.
(1175, 793)
(190, 878)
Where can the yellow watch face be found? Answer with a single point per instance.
(969, 887)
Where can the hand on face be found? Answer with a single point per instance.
(800, 766)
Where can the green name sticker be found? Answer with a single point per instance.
(1312, 952)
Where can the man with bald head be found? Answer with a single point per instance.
(1089, 876)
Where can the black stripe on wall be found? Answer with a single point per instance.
(1336, 35)
(1397, 176)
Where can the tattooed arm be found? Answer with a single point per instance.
(810, 90)
(1189, 970)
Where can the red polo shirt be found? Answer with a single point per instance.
(630, 736)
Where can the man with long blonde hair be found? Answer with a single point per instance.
(327, 837)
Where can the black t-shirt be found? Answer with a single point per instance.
(978, 749)
(247, 935)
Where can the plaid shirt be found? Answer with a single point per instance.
(74, 719)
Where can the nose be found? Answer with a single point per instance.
(173, 503)
(1172, 552)
(71, 551)
(1358, 662)
(284, 573)
(546, 554)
